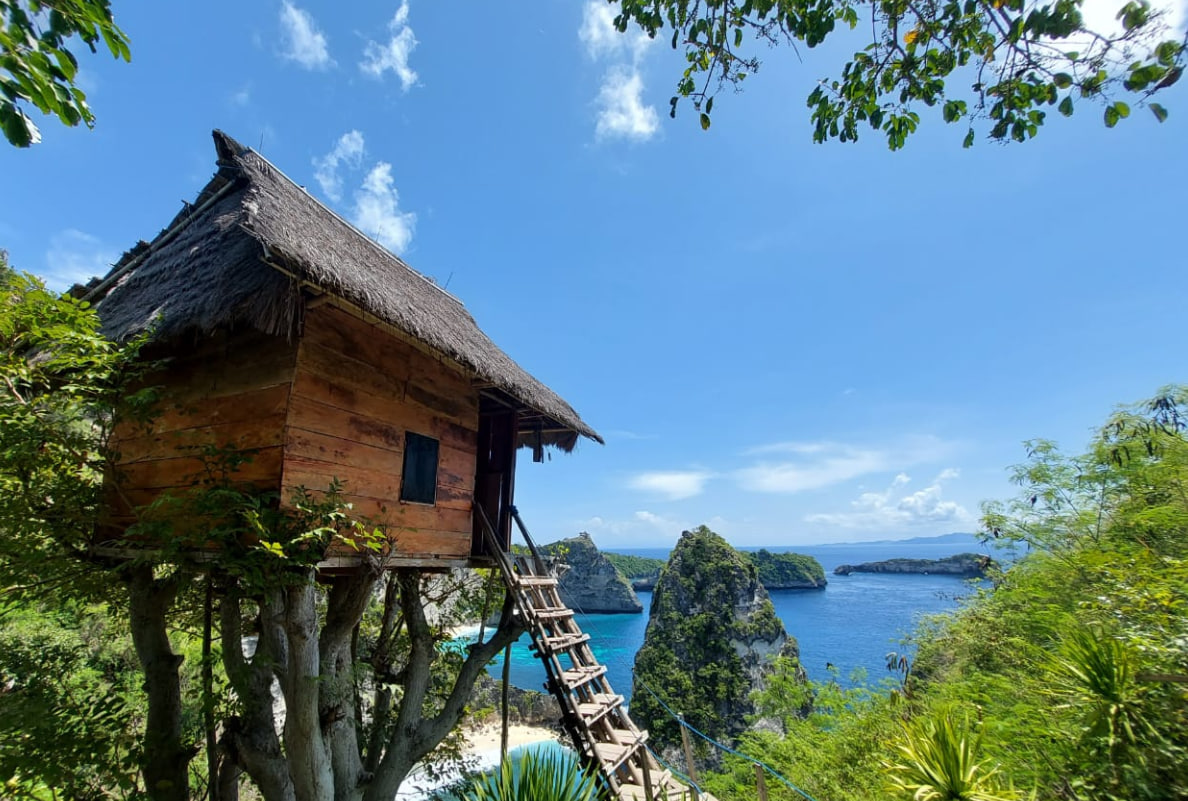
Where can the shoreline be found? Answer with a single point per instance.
(481, 754)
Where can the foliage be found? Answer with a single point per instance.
(36, 66)
(787, 569)
(64, 387)
(633, 567)
(938, 761)
(535, 776)
(1017, 59)
(69, 704)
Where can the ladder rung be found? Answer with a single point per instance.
(565, 641)
(594, 712)
(663, 789)
(535, 581)
(613, 755)
(579, 676)
(628, 737)
(553, 613)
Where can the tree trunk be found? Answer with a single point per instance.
(336, 700)
(166, 759)
(415, 735)
(250, 738)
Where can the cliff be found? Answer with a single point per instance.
(591, 584)
(711, 637)
(788, 571)
(968, 565)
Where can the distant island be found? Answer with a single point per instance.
(777, 571)
(787, 571)
(967, 565)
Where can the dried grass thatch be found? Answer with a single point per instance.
(254, 245)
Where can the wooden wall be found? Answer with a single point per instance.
(230, 390)
(356, 391)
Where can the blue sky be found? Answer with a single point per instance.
(793, 343)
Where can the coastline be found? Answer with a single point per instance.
(481, 754)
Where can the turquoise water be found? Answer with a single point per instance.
(852, 624)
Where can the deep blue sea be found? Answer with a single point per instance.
(852, 624)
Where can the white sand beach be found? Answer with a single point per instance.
(482, 751)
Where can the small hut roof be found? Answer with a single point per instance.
(243, 252)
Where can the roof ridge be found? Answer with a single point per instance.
(383, 250)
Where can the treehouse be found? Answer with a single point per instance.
(292, 346)
(289, 338)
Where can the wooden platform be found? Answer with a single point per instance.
(592, 713)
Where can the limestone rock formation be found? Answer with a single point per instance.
(591, 584)
(711, 639)
(968, 565)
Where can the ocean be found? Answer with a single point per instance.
(850, 625)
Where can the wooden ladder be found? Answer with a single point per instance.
(594, 716)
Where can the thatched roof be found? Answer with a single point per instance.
(243, 253)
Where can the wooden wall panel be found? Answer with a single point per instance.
(229, 390)
(226, 391)
(356, 391)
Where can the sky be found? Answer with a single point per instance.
(791, 343)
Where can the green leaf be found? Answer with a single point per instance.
(1122, 109)
(1111, 116)
(1159, 111)
(1066, 106)
(969, 139)
(705, 121)
(709, 106)
(1062, 80)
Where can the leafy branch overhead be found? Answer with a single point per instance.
(1002, 63)
(36, 67)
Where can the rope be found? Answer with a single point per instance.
(674, 771)
(681, 721)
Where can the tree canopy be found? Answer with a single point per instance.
(38, 69)
(1001, 64)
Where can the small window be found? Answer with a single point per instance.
(419, 482)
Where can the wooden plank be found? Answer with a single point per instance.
(341, 331)
(360, 481)
(179, 415)
(456, 403)
(264, 468)
(386, 411)
(341, 421)
(219, 367)
(240, 435)
(419, 544)
(302, 444)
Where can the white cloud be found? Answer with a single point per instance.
(622, 113)
(379, 58)
(303, 42)
(895, 508)
(629, 531)
(602, 39)
(377, 210)
(674, 485)
(74, 257)
(1101, 16)
(348, 151)
(824, 469)
(243, 96)
(815, 465)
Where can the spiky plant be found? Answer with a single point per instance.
(535, 776)
(938, 761)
